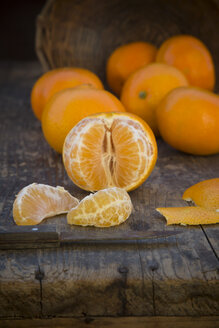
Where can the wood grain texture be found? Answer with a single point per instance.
(19, 288)
(124, 322)
(173, 276)
(72, 33)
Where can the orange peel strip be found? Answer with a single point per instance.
(191, 215)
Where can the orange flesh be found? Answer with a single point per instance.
(190, 215)
(109, 150)
(108, 207)
(37, 202)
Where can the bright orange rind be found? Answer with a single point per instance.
(191, 215)
(59, 79)
(192, 57)
(67, 107)
(145, 88)
(204, 193)
(125, 60)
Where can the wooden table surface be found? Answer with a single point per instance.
(146, 279)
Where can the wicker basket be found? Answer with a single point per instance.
(84, 32)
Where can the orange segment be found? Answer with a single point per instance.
(106, 208)
(144, 89)
(190, 215)
(204, 193)
(110, 149)
(59, 79)
(38, 201)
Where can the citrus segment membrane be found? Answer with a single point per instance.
(108, 150)
(191, 215)
(36, 202)
(105, 208)
(204, 193)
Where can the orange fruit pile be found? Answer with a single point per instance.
(105, 208)
(143, 77)
(110, 149)
(205, 194)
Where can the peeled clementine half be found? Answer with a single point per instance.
(144, 89)
(67, 107)
(58, 79)
(191, 215)
(105, 208)
(110, 149)
(188, 120)
(38, 201)
(204, 194)
(125, 60)
(191, 56)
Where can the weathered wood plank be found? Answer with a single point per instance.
(19, 288)
(94, 280)
(123, 322)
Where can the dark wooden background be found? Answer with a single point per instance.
(17, 29)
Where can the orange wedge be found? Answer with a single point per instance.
(105, 208)
(38, 201)
(110, 150)
(190, 215)
(204, 193)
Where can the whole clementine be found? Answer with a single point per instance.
(67, 107)
(125, 60)
(191, 56)
(144, 89)
(56, 80)
(188, 120)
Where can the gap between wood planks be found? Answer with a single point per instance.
(206, 235)
(120, 322)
